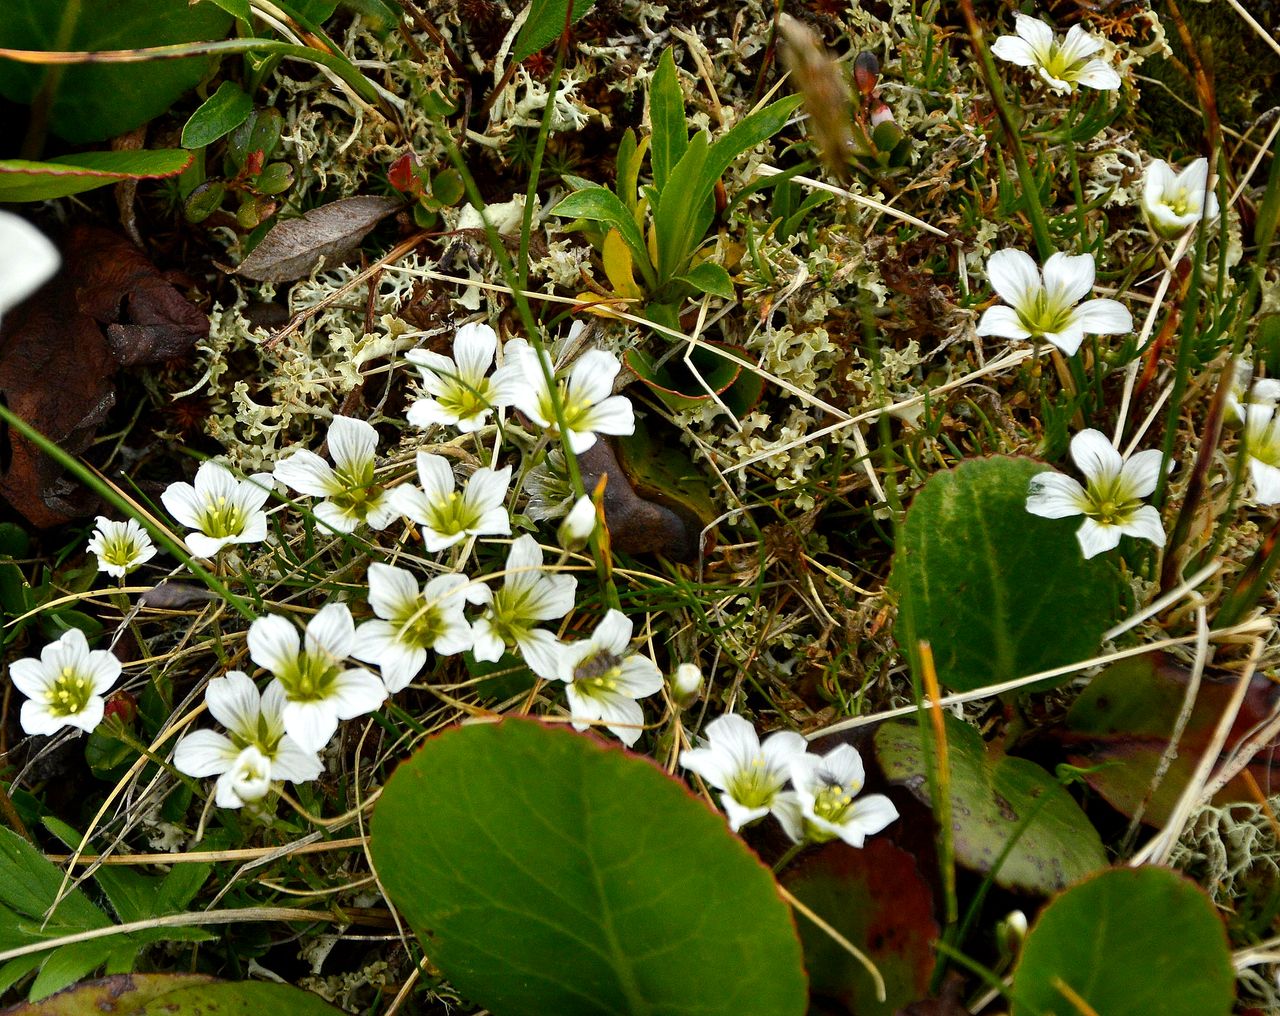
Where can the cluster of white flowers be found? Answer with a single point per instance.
(314, 680)
(823, 803)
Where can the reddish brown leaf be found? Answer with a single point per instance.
(332, 231)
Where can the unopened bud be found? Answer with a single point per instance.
(578, 525)
(866, 73)
(1011, 931)
(686, 682)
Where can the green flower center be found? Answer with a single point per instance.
(1057, 66)
(464, 401)
(1180, 203)
(598, 673)
(70, 693)
(418, 625)
(1109, 504)
(1044, 316)
(221, 518)
(452, 515)
(833, 801)
(119, 551)
(310, 678)
(357, 501)
(755, 785)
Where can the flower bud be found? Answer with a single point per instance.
(686, 682)
(1011, 931)
(866, 72)
(578, 525)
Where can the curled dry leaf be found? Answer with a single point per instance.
(57, 365)
(294, 247)
(175, 596)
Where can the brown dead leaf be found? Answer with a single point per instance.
(294, 247)
(57, 366)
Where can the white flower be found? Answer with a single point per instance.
(604, 681)
(222, 509)
(27, 260)
(1172, 202)
(1062, 65)
(462, 391)
(528, 595)
(1046, 308)
(585, 396)
(120, 546)
(411, 621)
(351, 494)
(64, 687)
(732, 759)
(824, 806)
(448, 517)
(1262, 441)
(318, 690)
(1110, 501)
(1243, 393)
(254, 751)
(576, 529)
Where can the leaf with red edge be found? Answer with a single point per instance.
(877, 899)
(23, 180)
(1119, 727)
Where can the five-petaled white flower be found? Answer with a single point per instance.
(411, 621)
(586, 396)
(826, 805)
(351, 494)
(461, 390)
(528, 595)
(447, 516)
(604, 681)
(1110, 501)
(120, 547)
(318, 690)
(221, 509)
(27, 260)
(1061, 65)
(1262, 441)
(254, 751)
(752, 775)
(1173, 201)
(64, 687)
(1046, 308)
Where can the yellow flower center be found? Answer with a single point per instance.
(69, 694)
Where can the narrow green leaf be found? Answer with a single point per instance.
(560, 875)
(599, 204)
(667, 119)
(68, 964)
(236, 8)
(709, 277)
(1129, 940)
(759, 126)
(29, 883)
(544, 24)
(21, 180)
(221, 113)
(683, 211)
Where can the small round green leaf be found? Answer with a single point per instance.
(1128, 940)
(545, 872)
(996, 800)
(221, 113)
(998, 593)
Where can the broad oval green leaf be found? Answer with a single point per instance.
(220, 114)
(22, 180)
(997, 592)
(544, 23)
(94, 101)
(1129, 940)
(545, 872)
(599, 204)
(709, 277)
(998, 803)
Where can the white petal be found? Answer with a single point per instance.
(399, 665)
(613, 632)
(739, 815)
(1100, 75)
(487, 488)
(580, 441)
(614, 415)
(310, 724)
(1096, 458)
(781, 748)
(473, 349)
(541, 651)
(248, 779)
(274, 643)
(787, 810)
(295, 765)
(426, 413)
(1068, 278)
(1096, 538)
(1003, 322)
(308, 473)
(487, 647)
(866, 817)
(204, 753)
(330, 516)
(845, 764)
(37, 720)
(1015, 50)
(525, 556)
(181, 501)
(373, 640)
(1014, 276)
(1140, 474)
(332, 630)
(391, 589)
(234, 702)
(1055, 496)
(356, 692)
(1034, 31)
(28, 677)
(1266, 482)
(1079, 44)
(591, 379)
(437, 477)
(1103, 317)
(623, 717)
(1068, 339)
(639, 677)
(27, 260)
(353, 444)
(1158, 181)
(1145, 524)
